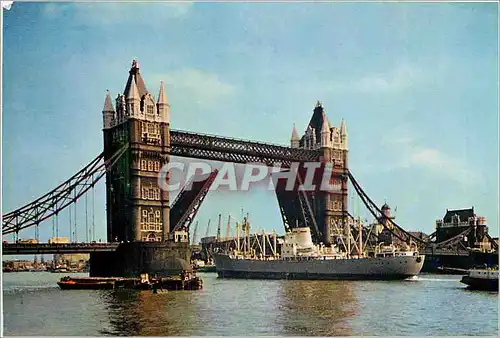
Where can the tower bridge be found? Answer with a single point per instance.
(138, 142)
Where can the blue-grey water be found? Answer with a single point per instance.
(427, 305)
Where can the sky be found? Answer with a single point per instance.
(417, 84)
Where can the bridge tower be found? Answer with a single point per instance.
(332, 208)
(137, 209)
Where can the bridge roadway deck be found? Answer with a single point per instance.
(46, 248)
(227, 149)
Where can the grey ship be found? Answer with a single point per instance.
(301, 259)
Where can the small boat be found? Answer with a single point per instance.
(482, 279)
(59, 269)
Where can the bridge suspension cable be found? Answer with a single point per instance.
(59, 198)
(454, 240)
(401, 234)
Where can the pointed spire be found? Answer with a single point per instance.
(295, 140)
(295, 134)
(343, 135)
(108, 112)
(162, 105)
(162, 98)
(325, 133)
(343, 129)
(133, 93)
(108, 105)
(325, 127)
(135, 76)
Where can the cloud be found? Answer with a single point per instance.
(410, 154)
(205, 88)
(402, 77)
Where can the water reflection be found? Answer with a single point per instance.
(142, 313)
(316, 308)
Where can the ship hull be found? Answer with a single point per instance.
(388, 268)
(85, 286)
(480, 283)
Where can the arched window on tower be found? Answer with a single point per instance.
(157, 220)
(142, 104)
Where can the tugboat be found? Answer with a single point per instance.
(482, 279)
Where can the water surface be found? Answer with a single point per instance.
(434, 305)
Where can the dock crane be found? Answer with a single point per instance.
(193, 242)
(228, 228)
(208, 228)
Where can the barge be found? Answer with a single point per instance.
(86, 283)
(185, 281)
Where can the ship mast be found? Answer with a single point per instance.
(247, 236)
(264, 243)
(348, 239)
(360, 238)
(275, 250)
(238, 237)
(218, 229)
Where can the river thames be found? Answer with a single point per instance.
(435, 305)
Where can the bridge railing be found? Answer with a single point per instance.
(247, 141)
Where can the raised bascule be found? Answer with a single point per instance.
(146, 231)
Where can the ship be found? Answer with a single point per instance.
(301, 259)
(482, 279)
